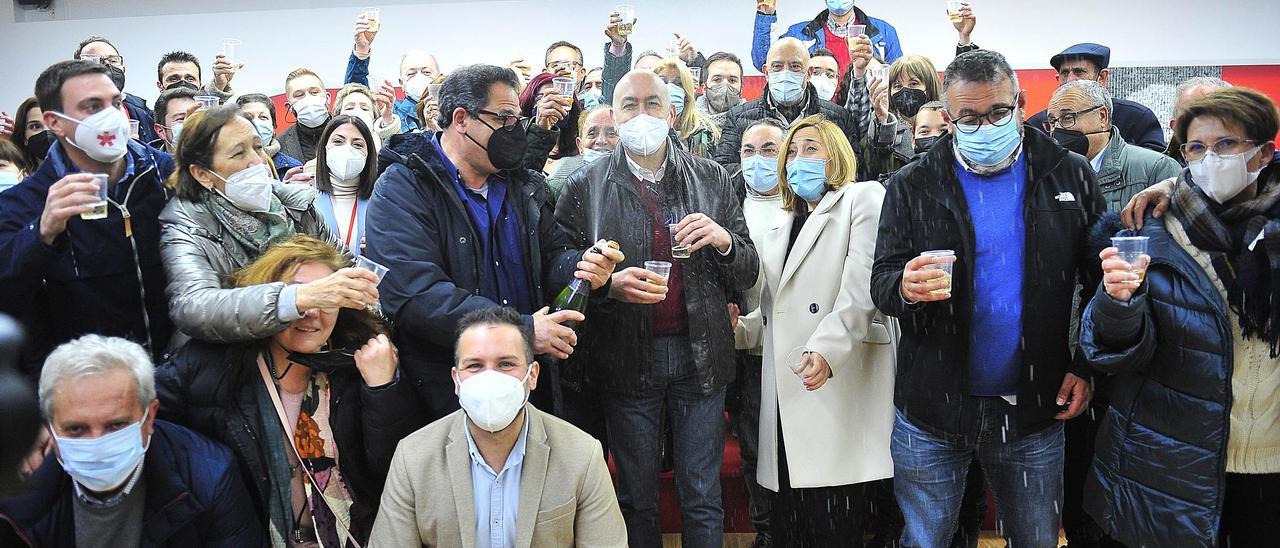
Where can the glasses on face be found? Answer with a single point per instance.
(1195, 150)
(767, 151)
(1067, 120)
(566, 65)
(113, 60)
(999, 116)
(505, 120)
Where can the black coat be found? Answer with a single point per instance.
(615, 343)
(1160, 461)
(925, 209)
(1136, 122)
(418, 224)
(195, 496)
(738, 118)
(213, 389)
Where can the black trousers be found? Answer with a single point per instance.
(1250, 511)
(818, 517)
(743, 404)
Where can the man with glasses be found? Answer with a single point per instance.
(101, 50)
(983, 367)
(1137, 123)
(466, 228)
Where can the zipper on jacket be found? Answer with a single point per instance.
(123, 206)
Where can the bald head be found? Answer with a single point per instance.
(787, 52)
(641, 92)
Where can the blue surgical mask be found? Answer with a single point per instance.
(839, 7)
(8, 180)
(265, 131)
(676, 92)
(591, 99)
(175, 130)
(590, 155)
(990, 144)
(808, 178)
(786, 87)
(105, 462)
(760, 173)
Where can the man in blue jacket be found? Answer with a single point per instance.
(121, 477)
(830, 30)
(76, 275)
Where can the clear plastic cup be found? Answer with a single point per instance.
(627, 19)
(678, 250)
(661, 268)
(697, 75)
(207, 101)
(377, 269)
(565, 86)
(947, 267)
(1133, 250)
(881, 73)
(434, 90)
(374, 17)
(795, 360)
(857, 30)
(100, 205)
(229, 47)
(133, 128)
(953, 10)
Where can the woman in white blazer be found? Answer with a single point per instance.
(824, 430)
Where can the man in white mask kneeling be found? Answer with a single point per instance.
(498, 472)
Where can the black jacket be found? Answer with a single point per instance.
(1137, 124)
(300, 141)
(615, 345)
(418, 224)
(925, 209)
(195, 496)
(738, 118)
(138, 110)
(213, 389)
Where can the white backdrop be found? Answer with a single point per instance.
(317, 33)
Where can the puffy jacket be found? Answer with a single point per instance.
(884, 38)
(96, 277)
(925, 209)
(1128, 169)
(1160, 458)
(1136, 122)
(419, 226)
(199, 254)
(214, 389)
(615, 344)
(195, 496)
(738, 118)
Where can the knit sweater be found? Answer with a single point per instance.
(761, 213)
(1253, 445)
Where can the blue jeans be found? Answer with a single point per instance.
(635, 436)
(1024, 472)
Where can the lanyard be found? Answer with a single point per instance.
(355, 208)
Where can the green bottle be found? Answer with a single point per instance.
(574, 296)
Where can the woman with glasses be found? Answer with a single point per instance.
(1189, 451)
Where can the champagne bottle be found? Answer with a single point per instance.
(574, 296)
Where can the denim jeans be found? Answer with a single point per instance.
(635, 434)
(1024, 472)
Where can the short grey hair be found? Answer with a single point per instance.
(1192, 83)
(468, 88)
(1097, 94)
(93, 355)
(979, 66)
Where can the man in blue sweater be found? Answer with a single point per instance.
(984, 368)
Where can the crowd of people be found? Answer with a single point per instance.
(432, 311)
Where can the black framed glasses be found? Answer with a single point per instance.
(505, 121)
(1195, 150)
(566, 65)
(998, 116)
(1067, 120)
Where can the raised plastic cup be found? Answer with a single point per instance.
(229, 46)
(697, 75)
(565, 86)
(953, 10)
(133, 128)
(434, 90)
(1133, 250)
(207, 101)
(626, 19)
(661, 268)
(881, 73)
(857, 30)
(946, 266)
(678, 250)
(100, 205)
(377, 269)
(795, 360)
(374, 17)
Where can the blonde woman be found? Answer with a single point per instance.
(697, 132)
(828, 353)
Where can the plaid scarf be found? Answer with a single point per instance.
(254, 231)
(1227, 232)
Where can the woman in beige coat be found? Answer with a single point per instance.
(826, 410)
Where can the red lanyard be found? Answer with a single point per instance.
(355, 208)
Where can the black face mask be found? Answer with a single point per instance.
(506, 145)
(182, 84)
(325, 361)
(38, 145)
(925, 144)
(117, 76)
(1075, 141)
(907, 101)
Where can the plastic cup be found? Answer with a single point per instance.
(374, 17)
(100, 204)
(207, 101)
(377, 269)
(953, 10)
(697, 75)
(678, 250)
(661, 268)
(229, 46)
(1133, 250)
(881, 72)
(133, 128)
(434, 90)
(564, 86)
(626, 19)
(947, 267)
(795, 360)
(857, 30)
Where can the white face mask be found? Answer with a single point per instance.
(8, 180)
(344, 161)
(415, 86)
(105, 462)
(824, 85)
(590, 155)
(104, 136)
(311, 110)
(492, 399)
(1223, 177)
(644, 134)
(249, 189)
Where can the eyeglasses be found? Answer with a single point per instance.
(768, 152)
(1196, 150)
(113, 60)
(506, 120)
(1068, 120)
(564, 65)
(998, 117)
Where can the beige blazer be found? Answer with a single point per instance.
(566, 496)
(819, 297)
